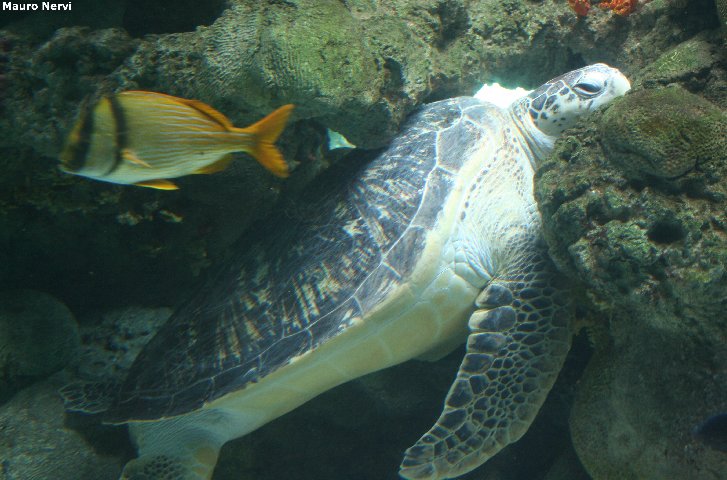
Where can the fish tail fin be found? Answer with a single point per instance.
(266, 132)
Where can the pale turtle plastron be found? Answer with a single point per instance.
(435, 242)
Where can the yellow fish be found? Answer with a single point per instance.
(145, 138)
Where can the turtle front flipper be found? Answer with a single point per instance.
(520, 335)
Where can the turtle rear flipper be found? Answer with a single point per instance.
(164, 467)
(89, 397)
(519, 338)
(184, 447)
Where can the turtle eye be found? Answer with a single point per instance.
(588, 89)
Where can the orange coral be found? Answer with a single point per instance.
(619, 7)
(581, 7)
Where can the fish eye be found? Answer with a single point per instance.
(588, 88)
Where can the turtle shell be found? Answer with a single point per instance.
(307, 280)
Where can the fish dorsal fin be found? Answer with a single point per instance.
(218, 166)
(159, 184)
(201, 107)
(208, 111)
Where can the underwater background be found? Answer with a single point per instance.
(634, 201)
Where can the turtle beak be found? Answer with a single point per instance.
(620, 84)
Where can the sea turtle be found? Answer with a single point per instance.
(434, 242)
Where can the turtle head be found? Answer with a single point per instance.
(556, 105)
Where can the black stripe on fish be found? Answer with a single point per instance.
(121, 139)
(79, 150)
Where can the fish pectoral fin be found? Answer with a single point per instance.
(128, 155)
(218, 166)
(159, 184)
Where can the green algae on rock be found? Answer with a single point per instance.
(690, 64)
(588, 202)
(639, 218)
(692, 57)
(357, 66)
(665, 132)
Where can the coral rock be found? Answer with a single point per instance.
(665, 132)
(640, 220)
(35, 444)
(38, 336)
